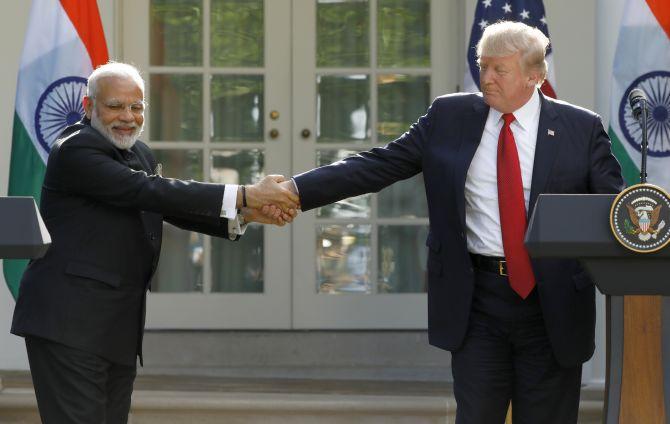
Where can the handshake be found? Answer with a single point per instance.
(273, 200)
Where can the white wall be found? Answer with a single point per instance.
(13, 23)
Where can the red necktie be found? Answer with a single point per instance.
(513, 212)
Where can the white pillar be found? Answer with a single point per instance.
(607, 20)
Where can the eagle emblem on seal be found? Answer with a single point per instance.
(639, 218)
(645, 221)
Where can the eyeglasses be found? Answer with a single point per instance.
(136, 108)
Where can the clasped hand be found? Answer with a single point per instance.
(272, 200)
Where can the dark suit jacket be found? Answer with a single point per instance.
(576, 159)
(104, 208)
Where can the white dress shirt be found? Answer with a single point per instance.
(482, 217)
(229, 211)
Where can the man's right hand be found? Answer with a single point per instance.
(268, 191)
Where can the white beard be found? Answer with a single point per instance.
(123, 142)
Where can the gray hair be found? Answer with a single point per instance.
(506, 38)
(113, 70)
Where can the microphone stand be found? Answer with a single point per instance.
(644, 146)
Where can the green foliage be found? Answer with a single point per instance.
(176, 32)
(628, 227)
(237, 33)
(342, 38)
(403, 33)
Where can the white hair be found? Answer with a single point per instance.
(113, 70)
(506, 38)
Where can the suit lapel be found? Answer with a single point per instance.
(139, 163)
(473, 128)
(548, 140)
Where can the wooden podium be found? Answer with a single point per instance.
(566, 225)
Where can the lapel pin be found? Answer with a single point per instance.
(550, 132)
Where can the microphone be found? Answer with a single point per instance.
(638, 101)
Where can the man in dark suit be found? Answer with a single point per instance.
(518, 329)
(81, 308)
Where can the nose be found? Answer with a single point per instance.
(126, 115)
(484, 76)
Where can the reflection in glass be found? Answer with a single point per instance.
(342, 33)
(343, 108)
(237, 107)
(353, 207)
(237, 33)
(181, 164)
(403, 33)
(238, 267)
(176, 107)
(180, 265)
(237, 166)
(402, 259)
(401, 100)
(404, 199)
(175, 32)
(343, 259)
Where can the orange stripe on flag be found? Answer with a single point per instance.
(661, 9)
(86, 20)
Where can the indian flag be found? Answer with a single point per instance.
(642, 61)
(64, 43)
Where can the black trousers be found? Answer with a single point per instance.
(506, 356)
(77, 387)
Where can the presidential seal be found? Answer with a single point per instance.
(640, 218)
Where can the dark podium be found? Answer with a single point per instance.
(577, 226)
(23, 234)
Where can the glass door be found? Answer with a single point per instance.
(363, 71)
(219, 110)
(238, 89)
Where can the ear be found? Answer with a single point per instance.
(88, 106)
(532, 79)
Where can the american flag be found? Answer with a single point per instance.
(530, 12)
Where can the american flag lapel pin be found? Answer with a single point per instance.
(550, 132)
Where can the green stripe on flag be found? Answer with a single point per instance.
(26, 173)
(630, 171)
(26, 169)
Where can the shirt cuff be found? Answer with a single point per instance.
(235, 227)
(229, 204)
(295, 186)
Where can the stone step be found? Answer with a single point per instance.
(183, 399)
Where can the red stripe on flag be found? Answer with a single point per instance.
(547, 89)
(661, 9)
(86, 20)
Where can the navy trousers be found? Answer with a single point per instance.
(506, 356)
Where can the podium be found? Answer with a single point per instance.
(23, 234)
(577, 226)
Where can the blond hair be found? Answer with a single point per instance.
(505, 38)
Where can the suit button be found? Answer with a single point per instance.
(153, 236)
(462, 234)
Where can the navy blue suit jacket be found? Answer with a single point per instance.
(577, 158)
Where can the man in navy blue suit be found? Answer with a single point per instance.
(518, 329)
